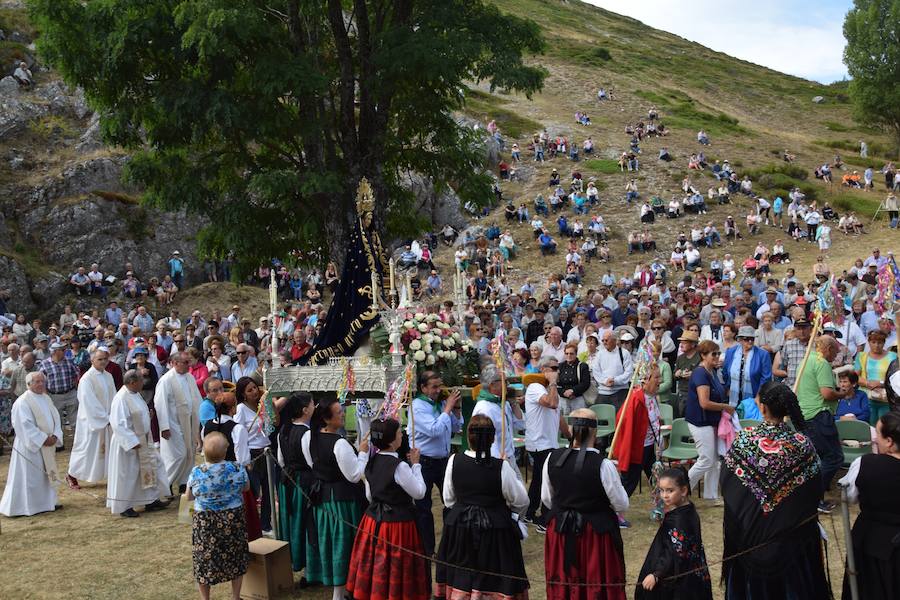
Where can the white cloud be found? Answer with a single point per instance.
(799, 38)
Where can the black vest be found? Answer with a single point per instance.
(295, 463)
(581, 492)
(390, 502)
(331, 482)
(225, 429)
(479, 494)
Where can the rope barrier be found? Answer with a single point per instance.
(434, 559)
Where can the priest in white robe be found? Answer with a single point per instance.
(177, 401)
(32, 478)
(90, 448)
(137, 476)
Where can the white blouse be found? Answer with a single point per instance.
(513, 490)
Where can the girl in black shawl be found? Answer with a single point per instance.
(677, 550)
(772, 483)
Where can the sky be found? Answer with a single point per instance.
(792, 36)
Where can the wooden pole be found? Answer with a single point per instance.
(817, 322)
(503, 414)
(411, 394)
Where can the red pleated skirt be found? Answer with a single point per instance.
(380, 569)
(251, 515)
(597, 561)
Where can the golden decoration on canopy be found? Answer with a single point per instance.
(365, 201)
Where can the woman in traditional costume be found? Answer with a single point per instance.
(293, 508)
(772, 486)
(481, 540)
(874, 481)
(387, 561)
(337, 496)
(584, 492)
(675, 567)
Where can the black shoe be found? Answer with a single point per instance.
(130, 513)
(156, 505)
(182, 488)
(60, 448)
(58, 507)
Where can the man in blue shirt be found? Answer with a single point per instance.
(114, 313)
(176, 269)
(213, 388)
(436, 422)
(547, 243)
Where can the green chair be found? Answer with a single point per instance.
(350, 418)
(606, 419)
(666, 416)
(745, 423)
(681, 444)
(855, 430)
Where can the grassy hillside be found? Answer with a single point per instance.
(752, 114)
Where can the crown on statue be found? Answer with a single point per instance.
(365, 201)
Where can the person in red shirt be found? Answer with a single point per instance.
(299, 346)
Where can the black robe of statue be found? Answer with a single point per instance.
(677, 548)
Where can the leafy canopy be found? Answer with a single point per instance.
(872, 56)
(264, 114)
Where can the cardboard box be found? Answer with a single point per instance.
(269, 574)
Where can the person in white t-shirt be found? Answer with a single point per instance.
(542, 427)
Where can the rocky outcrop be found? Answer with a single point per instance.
(441, 206)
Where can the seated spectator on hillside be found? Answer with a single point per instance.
(845, 224)
(828, 213)
(563, 225)
(96, 279)
(603, 252)
(711, 235)
(837, 163)
(694, 163)
(795, 231)
(674, 210)
(634, 242)
(522, 213)
(631, 191)
(788, 157)
(779, 255)
(449, 234)
(588, 146)
(623, 161)
(746, 186)
(602, 94)
(857, 225)
(692, 257)
(656, 203)
(507, 245)
(648, 244)
(503, 169)
(676, 259)
(852, 180)
(647, 214)
(23, 75)
(537, 225)
(664, 154)
(407, 258)
(703, 138)
(753, 222)
(589, 249)
(631, 161)
(578, 228)
(597, 227)
(80, 282)
(635, 146)
(592, 193)
(540, 206)
(548, 245)
(510, 211)
(554, 178)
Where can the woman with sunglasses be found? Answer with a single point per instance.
(706, 400)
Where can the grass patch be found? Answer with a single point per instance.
(119, 197)
(681, 111)
(859, 203)
(583, 55)
(838, 127)
(487, 106)
(606, 166)
(14, 19)
(786, 169)
(877, 150)
(12, 52)
(50, 126)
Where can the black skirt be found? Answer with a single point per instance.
(477, 544)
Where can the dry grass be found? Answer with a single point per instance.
(254, 301)
(83, 551)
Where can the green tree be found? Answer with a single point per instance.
(265, 114)
(872, 56)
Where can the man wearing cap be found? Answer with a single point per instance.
(30, 484)
(612, 370)
(61, 378)
(488, 404)
(791, 355)
(875, 259)
(41, 352)
(713, 331)
(90, 449)
(176, 269)
(177, 402)
(851, 335)
(745, 367)
(535, 328)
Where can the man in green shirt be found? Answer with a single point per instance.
(818, 400)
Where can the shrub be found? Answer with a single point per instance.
(787, 169)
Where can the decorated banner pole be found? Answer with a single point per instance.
(498, 359)
(638, 372)
(410, 414)
(273, 308)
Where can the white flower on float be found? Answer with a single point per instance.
(415, 345)
(430, 360)
(419, 356)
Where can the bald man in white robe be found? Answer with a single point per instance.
(177, 402)
(137, 476)
(90, 448)
(32, 478)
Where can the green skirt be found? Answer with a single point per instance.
(327, 561)
(291, 505)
